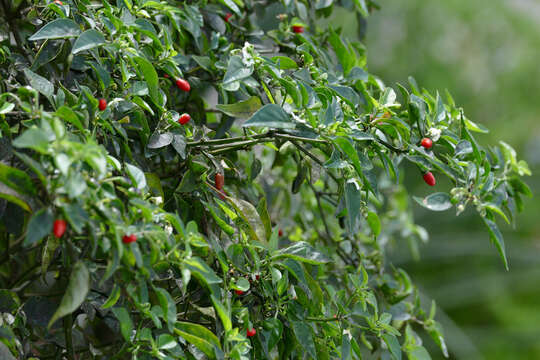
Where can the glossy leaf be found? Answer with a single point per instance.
(270, 115)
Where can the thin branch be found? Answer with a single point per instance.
(314, 158)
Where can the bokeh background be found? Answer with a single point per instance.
(487, 54)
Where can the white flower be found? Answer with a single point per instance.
(248, 54)
(434, 134)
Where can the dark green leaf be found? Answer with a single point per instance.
(39, 83)
(464, 147)
(158, 140)
(78, 286)
(304, 335)
(88, 40)
(17, 180)
(236, 71)
(39, 226)
(57, 29)
(436, 202)
(393, 345)
(497, 239)
(151, 78)
(137, 176)
(353, 197)
(271, 115)
(168, 306)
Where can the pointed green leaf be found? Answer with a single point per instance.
(435, 202)
(57, 29)
(241, 109)
(77, 289)
(271, 115)
(497, 239)
(88, 40)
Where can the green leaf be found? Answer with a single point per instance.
(417, 352)
(166, 341)
(113, 297)
(39, 83)
(241, 284)
(231, 5)
(265, 217)
(57, 29)
(463, 147)
(126, 324)
(393, 345)
(251, 218)
(151, 78)
(435, 202)
(497, 239)
(6, 108)
(137, 176)
(88, 40)
(353, 197)
(348, 149)
(346, 58)
(222, 313)
(5, 354)
(270, 115)
(241, 109)
(39, 226)
(284, 62)
(167, 305)
(301, 251)
(472, 126)
(271, 333)
(77, 289)
(304, 335)
(202, 271)
(158, 140)
(362, 7)
(17, 180)
(70, 116)
(436, 333)
(494, 208)
(198, 335)
(236, 71)
(374, 223)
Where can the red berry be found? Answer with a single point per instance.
(166, 76)
(227, 17)
(58, 2)
(429, 179)
(59, 228)
(238, 292)
(257, 277)
(280, 233)
(102, 104)
(297, 29)
(128, 239)
(183, 85)
(219, 181)
(184, 119)
(427, 143)
(251, 332)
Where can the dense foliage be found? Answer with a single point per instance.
(255, 226)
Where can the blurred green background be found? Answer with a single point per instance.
(486, 53)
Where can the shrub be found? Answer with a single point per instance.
(219, 179)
